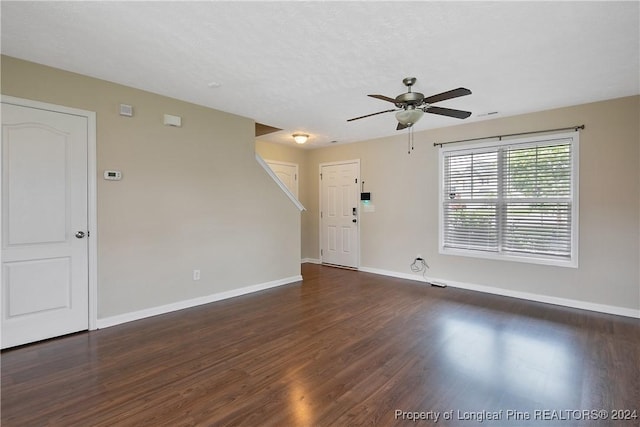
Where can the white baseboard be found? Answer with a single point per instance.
(180, 305)
(399, 275)
(154, 311)
(310, 261)
(583, 305)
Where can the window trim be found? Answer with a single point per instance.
(572, 262)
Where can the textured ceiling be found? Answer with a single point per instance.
(308, 66)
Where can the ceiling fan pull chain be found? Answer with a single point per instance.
(410, 141)
(411, 129)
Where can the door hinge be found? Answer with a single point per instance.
(88, 233)
(356, 180)
(295, 176)
(321, 252)
(321, 177)
(320, 214)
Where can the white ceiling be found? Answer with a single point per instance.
(308, 66)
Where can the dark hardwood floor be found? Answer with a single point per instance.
(341, 348)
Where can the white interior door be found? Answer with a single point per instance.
(44, 224)
(339, 216)
(287, 173)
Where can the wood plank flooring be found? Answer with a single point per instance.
(341, 348)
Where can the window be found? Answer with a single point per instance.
(515, 199)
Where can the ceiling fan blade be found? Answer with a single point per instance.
(369, 115)
(458, 114)
(401, 126)
(384, 98)
(453, 93)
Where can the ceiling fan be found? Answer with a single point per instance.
(411, 106)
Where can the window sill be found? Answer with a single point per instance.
(541, 260)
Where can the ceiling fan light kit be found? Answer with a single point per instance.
(409, 117)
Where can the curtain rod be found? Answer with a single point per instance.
(435, 144)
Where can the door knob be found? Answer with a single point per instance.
(80, 234)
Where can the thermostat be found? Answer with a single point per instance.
(113, 175)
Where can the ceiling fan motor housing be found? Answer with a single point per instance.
(409, 98)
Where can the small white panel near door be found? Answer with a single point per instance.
(41, 217)
(346, 240)
(347, 197)
(23, 280)
(330, 206)
(332, 238)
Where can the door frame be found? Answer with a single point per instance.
(92, 212)
(336, 163)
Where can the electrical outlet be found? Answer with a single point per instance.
(196, 274)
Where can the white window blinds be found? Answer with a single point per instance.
(511, 199)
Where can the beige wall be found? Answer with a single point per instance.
(190, 198)
(404, 191)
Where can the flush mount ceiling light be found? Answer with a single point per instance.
(300, 138)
